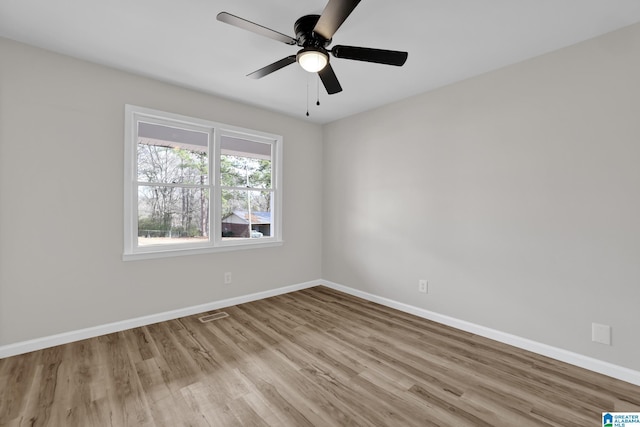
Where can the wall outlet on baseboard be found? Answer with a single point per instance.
(423, 286)
(227, 278)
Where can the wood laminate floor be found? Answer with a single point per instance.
(315, 357)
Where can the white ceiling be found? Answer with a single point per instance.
(180, 41)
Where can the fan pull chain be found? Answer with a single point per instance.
(307, 96)
(318, 87)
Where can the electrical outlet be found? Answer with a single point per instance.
(423, 286)
(601, 333)
(227, 278)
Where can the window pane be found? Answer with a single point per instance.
(172, 155)
(245, 163)
(168, 215)
(246, 214)
(236, 171)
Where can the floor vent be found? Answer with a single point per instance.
(212, 317)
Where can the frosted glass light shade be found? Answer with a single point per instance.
(312, 60)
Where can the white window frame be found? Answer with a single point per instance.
(215, 243)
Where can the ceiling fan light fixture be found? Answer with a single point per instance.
(312, 59)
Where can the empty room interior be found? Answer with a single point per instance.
(439, 224)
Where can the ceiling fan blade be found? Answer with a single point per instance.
(258, 74)
(329, 80)
(380, 56)
(333, 15)
(236, 21)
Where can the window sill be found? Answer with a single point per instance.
(173, 252)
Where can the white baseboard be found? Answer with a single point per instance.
(606, 368)
(67, 337)
(595, 365)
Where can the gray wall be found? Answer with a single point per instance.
(61, 200)
(516, 194)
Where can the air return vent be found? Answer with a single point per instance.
(212, 317)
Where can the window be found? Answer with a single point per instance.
(194, 186)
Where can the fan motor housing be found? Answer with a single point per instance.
(304, 32)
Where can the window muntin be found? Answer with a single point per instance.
(180, 199)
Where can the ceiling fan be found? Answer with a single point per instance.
(313, 35)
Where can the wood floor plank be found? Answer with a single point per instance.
(18, 376)
(316, 357)
(261, 407)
